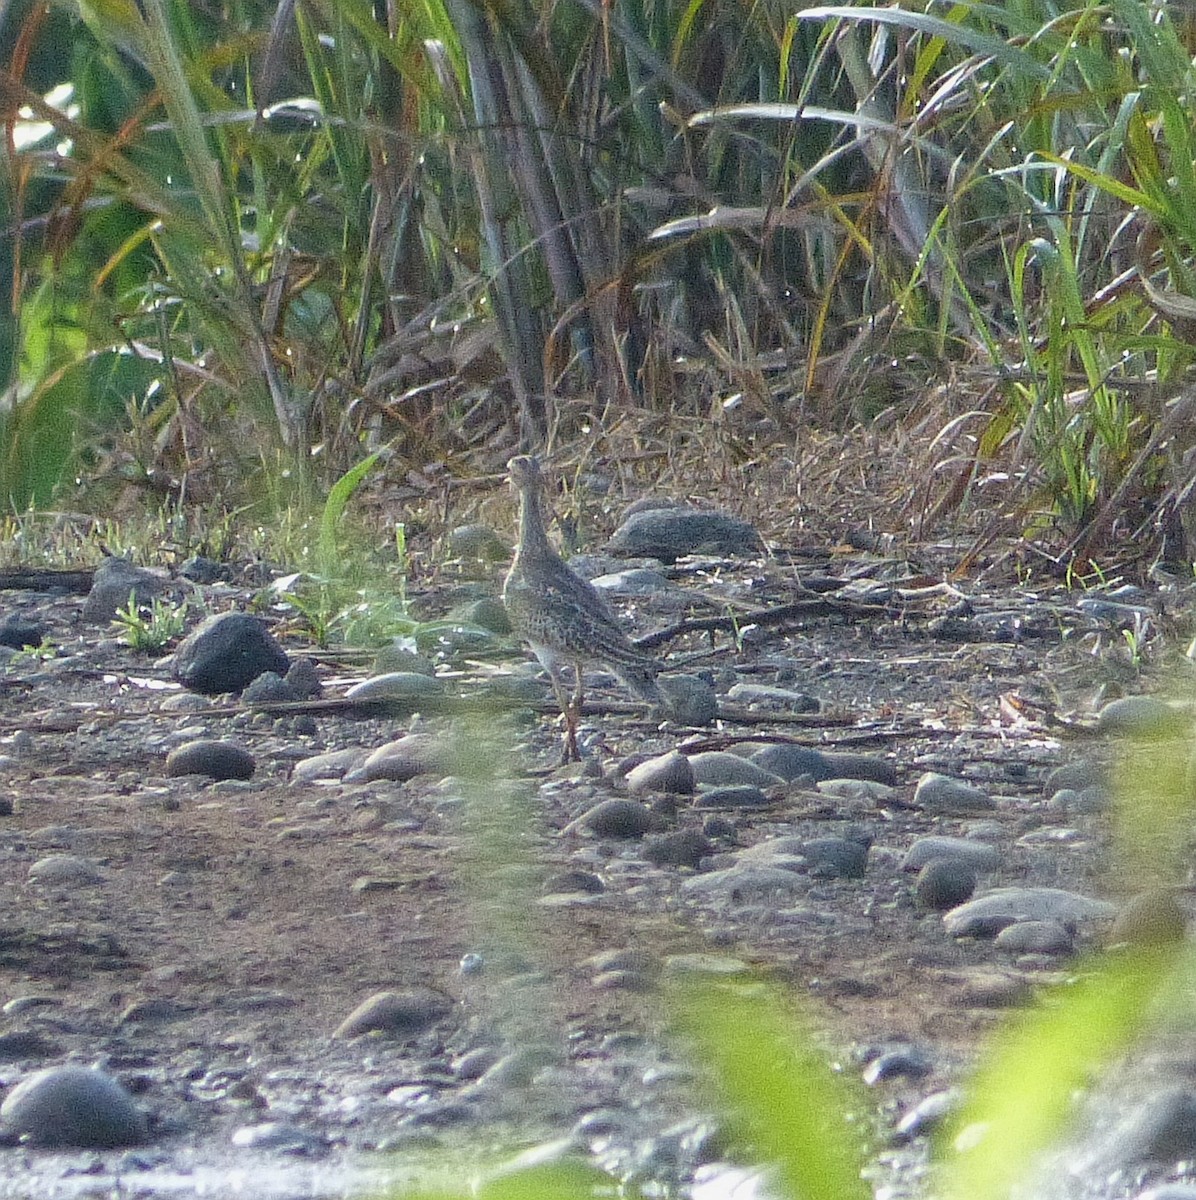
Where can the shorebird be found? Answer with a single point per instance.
(560, 615)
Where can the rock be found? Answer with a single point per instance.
(836, 857)
(488, 613)
(269, 688)
(941, 794)
(473, 1064)
(943, 884)
(17, 633)
(929, 1114)
(304, 678)
(737, 796)
(226, 652)
(65, 869)
(722, 965)
(204, 571)
(19, 1045)
(1162, 1131)
(568, 882)
(745, 881)
(402, 1014)
(980, 856)
(410, 687)
(477, 542)
(73, 1106)
(114, 580)
(1143, 717)
(761, 696)
(718, 768)
(398, 657)
(864, 791)
(403, 759)
(1037, 937)
(689, 698)
(684, 848)
(217, 760)
(790, 762)
(278, 1135)
(868, 767)
(989, 913)
(670, 533)
(1077, 775)
(1151, 918)
(626, 958)
(899, 1062)
(669, 773)
(336, 764)
(617, 818)
(639, 581)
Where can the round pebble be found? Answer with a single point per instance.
(944, 883)
(73, 1106)
(215, 759)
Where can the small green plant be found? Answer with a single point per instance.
(150, 629)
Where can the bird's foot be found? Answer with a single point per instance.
(569, 751)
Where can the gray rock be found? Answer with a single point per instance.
(790, 762)
(1076, 775)
(477, 542)
(745, 881)
(690, 699)
(899, 1062)
(1162, 1131)
(943, 884)
(114, 580)
(407, 686)
(867, 767)
(269, 688)
(65, 869)
(397, 657)
(941, 794)
(278, 1135)
(719, 768)
(720, 965)
(762, 696)
(336, 764)
(980, 856)
(226, 652)
(866, 791)
(21, 1045)
(617, 817)
(17, 632)
(1170, 1191)
(929, 1114)
(682, 848)
(741, 795)
(638, 581)
(1143, 717)
(567, 882)
(988, 914)
(402, 1014)
(836, 857)
(488, 613)
(73, 1106)
(215, 759)
(304, 678)
(473, 1064)
(202, 570)
(669, 772)
(403, 759)
(1037, 937)
(669, 533)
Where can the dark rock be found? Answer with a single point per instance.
(861, 766)
(217, 760)
(1037, 937)
(1151, 918)
(689, 699)
(737, 796)
(574, 881)
(617, 818)
(402, 1014)
(1143, 717)
(669, 772)
(941, 794)
(269, 688)
(114, 581)
(20, 1044)
(906, 1062)
(836, 858)
(73, 1106)
(669, 533)
(477, 542)
(17, 633)
(792, 762)
(944, 883)
(980, 856)
(226, 652)
(718, 826)
(201, 570)
(488, 613)
(304, 678)
(684, 848)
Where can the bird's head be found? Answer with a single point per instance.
(524, 472)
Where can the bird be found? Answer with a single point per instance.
(560, 615)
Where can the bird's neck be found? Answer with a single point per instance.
(533, 538)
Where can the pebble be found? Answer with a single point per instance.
(113, 581)
(943, 884)
(278, 1135)
(929, 1114)
(1076, 775)
(689, 698)
(478, 542)
(900, 1062)
(638, 581)
(670, 533)
(670, 772)
(410, 687)
(790, 762)
(572, 882)
(941, 794)
(980, 856)
(762, 696)
(488, 613)
(869, 767)
(215, 759)
(705, 964)
(864, 790)
(304, 676)
(719, 768)
(989, 913)
(473, 1064)
(683, 848)
(226, 652)
(1143, 717)
(403, 1014)
(403, 759)
(73, 1106)
(1162, 1130)
(19, 1045)
(617, 818)
(269, 688)
(65, 869)
(837, 857)
(17, 632)
(1037, 937)
(1151, 918)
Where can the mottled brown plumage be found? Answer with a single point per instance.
(560, 615)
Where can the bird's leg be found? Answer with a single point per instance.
(569, 752)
